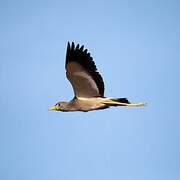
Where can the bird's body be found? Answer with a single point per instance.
(84, 104)
(87, 84)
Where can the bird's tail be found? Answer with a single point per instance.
(121, 102)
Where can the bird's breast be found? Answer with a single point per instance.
(86, 104)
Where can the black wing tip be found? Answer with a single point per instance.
(79, 54)
(72, 46)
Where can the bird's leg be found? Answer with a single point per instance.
(136, 104)
(113, 103)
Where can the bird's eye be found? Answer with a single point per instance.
(57, 104)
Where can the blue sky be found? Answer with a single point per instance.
(135, 45)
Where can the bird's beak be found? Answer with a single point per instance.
(53, 108)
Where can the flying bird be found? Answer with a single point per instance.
(87, 84)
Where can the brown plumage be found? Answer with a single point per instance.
(87, 83)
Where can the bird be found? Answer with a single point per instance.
(87, 84)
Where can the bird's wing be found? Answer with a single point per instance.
(82, 73)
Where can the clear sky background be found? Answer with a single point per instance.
(136, 47)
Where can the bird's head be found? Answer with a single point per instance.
(56, 107)
(60, 106)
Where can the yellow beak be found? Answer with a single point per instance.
(53, 108)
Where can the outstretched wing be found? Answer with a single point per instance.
(82, 73)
